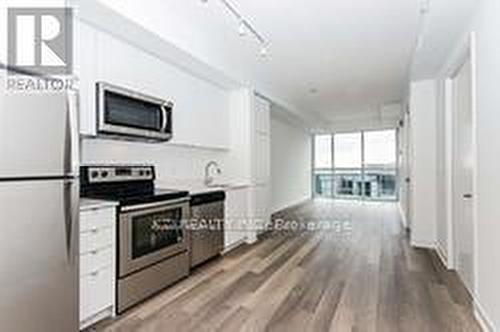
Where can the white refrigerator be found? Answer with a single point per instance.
(39, 193)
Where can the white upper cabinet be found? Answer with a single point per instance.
(201, 109)
(85, 70)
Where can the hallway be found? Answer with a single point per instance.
(360, 274)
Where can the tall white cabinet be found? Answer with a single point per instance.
(261, 161)
(250, 161)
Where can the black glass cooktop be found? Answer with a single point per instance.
(131, 193)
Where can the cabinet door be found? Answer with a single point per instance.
(236, 216)
(262, 202)
(262, 159)
(96, 292)
(262, 113)
(85, 69)
(259, 209)
(127, 66)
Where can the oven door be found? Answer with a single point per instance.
(132, 115)
(151, 233)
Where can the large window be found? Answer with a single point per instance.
(360, 165)
(323, 165)
(380, 171)
(348, 164)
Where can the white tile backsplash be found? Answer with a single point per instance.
(172, 162)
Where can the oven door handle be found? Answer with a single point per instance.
(168, 203)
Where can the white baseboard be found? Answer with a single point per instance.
(105, 313)
(423, 244)
(479, 312)
(290, 205)
(234, 245)
(403, 216)
(442, 255)
(252, 237)
(482, 318)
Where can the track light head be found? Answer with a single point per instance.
(242, 29)
(264, 51)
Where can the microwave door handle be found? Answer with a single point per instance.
(165, 118)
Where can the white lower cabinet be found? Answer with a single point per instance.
(259, 210)
(95, 290)
(236, 217)
(97, 265)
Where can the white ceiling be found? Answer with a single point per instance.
(356, 53)
(443, 26)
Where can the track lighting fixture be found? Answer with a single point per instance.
(245, 27)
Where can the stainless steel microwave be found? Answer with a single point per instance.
(126, 114)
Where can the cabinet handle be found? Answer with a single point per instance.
(94, 252)
(95, 274)
(94, 230)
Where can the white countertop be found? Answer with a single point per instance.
(92, 204)
(193, 186)
(198, 187)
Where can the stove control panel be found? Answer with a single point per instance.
(99, 174)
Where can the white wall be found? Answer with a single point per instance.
(442, 173)
(404, 169)
(381, 117)
(486, 25)
(290, 163)
(423, 163)
(172, 162)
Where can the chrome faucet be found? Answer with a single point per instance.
(208, 178)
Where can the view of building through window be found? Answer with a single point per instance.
(358, 165)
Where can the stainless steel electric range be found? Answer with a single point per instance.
(152, 239)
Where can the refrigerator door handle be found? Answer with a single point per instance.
(72, 139)
(71, 217)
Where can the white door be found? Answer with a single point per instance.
(463, 163)
(407, 180)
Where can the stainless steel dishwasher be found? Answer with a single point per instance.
(207, 227)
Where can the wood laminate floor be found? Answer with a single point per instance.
(359, 274)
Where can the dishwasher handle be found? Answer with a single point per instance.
(208, 197)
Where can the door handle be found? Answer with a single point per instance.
(68, 217)
(72, 144)
(467, 196)
(71, 216)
